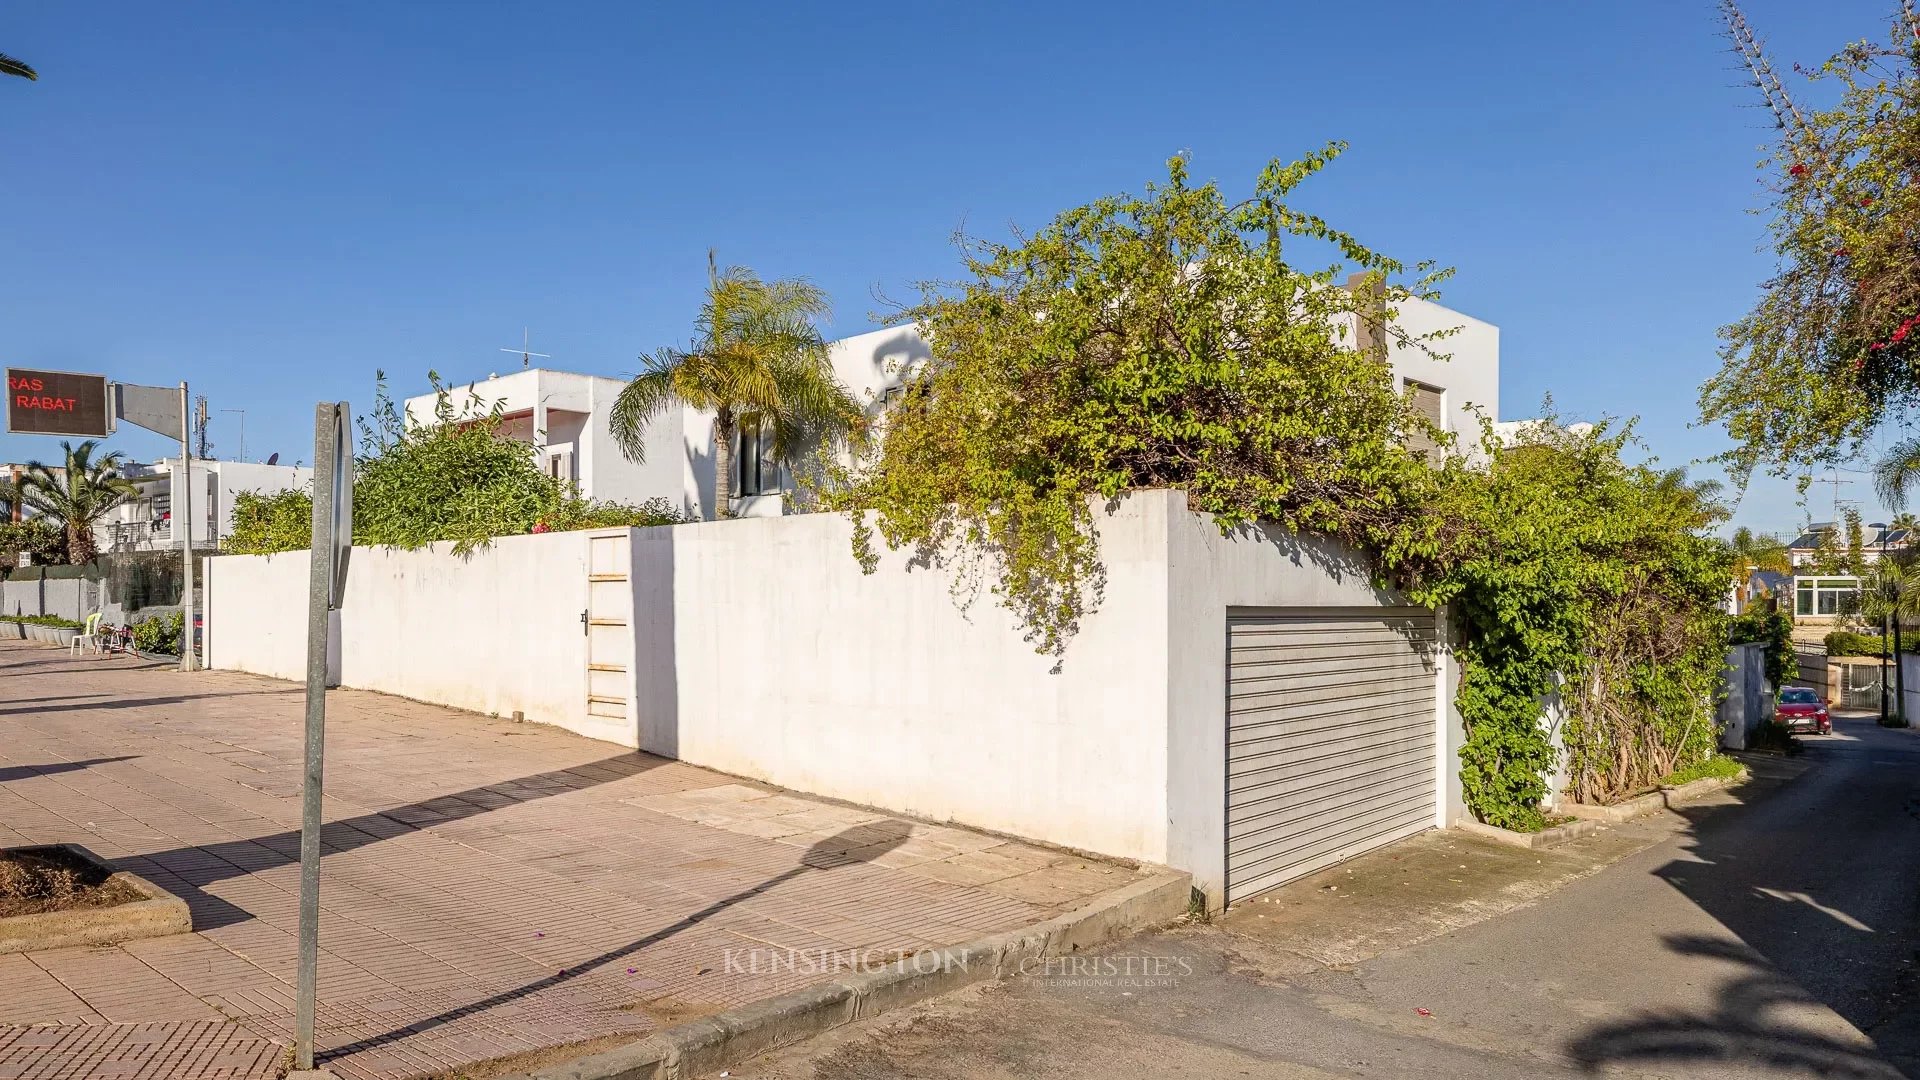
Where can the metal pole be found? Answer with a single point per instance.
(319, 601)
(185, 487)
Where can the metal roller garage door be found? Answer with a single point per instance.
(1330, 738)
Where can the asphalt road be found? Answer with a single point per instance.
(1773, 936)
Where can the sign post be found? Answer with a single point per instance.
(185, 486)
(326, 588)
(70, 403)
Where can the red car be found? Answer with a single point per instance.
(1802, 708)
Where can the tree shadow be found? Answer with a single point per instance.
(22, 772)
(871, 840)
(1813, 885)
(188, 870)
(1744, 1028)
(36, 707)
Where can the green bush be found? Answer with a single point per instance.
(456, 479)
(41, 620)
(1846, 643)
(159, 634)
(43, 540)
(38, 572)
(1719, 767)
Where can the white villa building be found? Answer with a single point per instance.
(148, 522)
(565, 416)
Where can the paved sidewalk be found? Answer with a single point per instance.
(490, 889)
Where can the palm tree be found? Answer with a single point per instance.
(19, 68)
(79, 495)
(1754, 551)
(758, 363)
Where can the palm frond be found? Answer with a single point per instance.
(642, 400)
(1896, 472)
(18, 68)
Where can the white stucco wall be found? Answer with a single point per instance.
(763, 650)
(495, 631)
(1469, 375)
(760, 648)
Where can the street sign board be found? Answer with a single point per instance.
(57, 403)
(342, 527)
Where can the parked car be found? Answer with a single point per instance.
(1801, 709)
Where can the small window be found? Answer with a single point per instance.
(1430, 402)
(756, 472)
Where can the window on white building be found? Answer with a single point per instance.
(756, 471)
(1824, 596)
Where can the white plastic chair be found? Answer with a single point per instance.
(86, 637)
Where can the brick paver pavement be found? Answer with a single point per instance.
(490, 889)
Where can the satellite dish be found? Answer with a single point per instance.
(274, 459)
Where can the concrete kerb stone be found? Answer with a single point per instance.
(728, 1038)
(1545, 838)
(1652, 801)
(158, 913)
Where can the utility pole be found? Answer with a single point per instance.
(526, 355)
(203, 448)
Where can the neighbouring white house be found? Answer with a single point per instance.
(149, 522)
(565, 417)
(1823, 601)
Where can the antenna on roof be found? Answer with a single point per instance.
(526, 356)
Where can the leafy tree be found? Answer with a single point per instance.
(1832, 347)
(1153, 340)
(757, 362)
(1826, 554)
(455, 478)
(1753, 552)
(17, 68)
(44, 541)
(1856, 557)
(79, 494)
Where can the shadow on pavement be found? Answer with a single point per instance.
(22, 772)
(872, 840)
(1817, 884)
(1744, 1029)
(189, 870)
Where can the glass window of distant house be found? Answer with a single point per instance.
(1823, 596)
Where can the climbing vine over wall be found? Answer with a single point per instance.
(1167, 340)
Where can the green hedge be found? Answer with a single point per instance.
(1846, 643)
(53, 573)
(41, 620)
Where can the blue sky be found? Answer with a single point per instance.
(271, 201)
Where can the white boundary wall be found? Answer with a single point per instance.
(761, 649)
(496, 631)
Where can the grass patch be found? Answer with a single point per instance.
(1719, 767)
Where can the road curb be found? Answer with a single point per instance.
(1652, 801)
(1545, 838)
(725, 1039)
